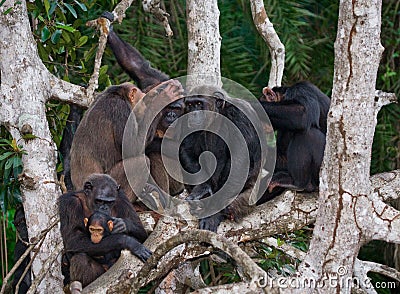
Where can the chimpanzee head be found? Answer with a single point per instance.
(209, 99)
(276, 94)
(101, 191)
(99, 225)
(170, 113)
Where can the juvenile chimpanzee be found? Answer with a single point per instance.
(100, 225)
(205, 106)
(299, 114)
(100, 193)
(97, 145)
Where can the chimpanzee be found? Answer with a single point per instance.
(100, 225)
(299, 114)
(202, 105)
(147, 77)
(20, 248)
(71, 125)
(100, 193)
(97, 145)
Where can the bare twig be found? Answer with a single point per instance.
(153, 6)
(103, 25)
(32, 245)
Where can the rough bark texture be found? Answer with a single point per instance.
(276, 48)
(346, 210)
(25, 87)
(204, 42)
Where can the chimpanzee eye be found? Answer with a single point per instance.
(199, 103)
(97, 201)
(88, 186)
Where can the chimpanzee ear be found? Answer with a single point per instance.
(220, 99)
(87, 187)
(110, 225)
(133, 96)
(85, 221)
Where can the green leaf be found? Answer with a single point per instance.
(71, 9)
(45, 34)
(82, 41)
(9, 164)
(55, 38)
(47, 6)
(81, 5)
(280, 242)
(5, 155)
(68, 28)
(52, 8)
(29, 137)
(8, 10)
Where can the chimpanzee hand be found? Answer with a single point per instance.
(211, 223)
(119, 226)
(108, 15)
(136, 248)
(170, 91)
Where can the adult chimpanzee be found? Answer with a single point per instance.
(299, 114)
(205, 107)
(101, 152)
(147, 77)
(100, 193)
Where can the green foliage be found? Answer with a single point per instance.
(66, 46)
(10, 168)
(10, 234)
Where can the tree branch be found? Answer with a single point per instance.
(276, 48)
(387, 185)
(153, 6)
(67, 92)
(252, 271)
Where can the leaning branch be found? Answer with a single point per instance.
(276, 48)
(251, 269)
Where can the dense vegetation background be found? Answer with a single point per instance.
(306, 28)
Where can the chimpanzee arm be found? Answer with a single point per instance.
(77, 240)
(287, 116)
(132, 226)
(134, 63)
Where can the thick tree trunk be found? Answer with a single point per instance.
(25, 87)
(345, 173)
(204, 43)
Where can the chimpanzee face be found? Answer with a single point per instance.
(101, 192)
(196, 106)
(171, 113)
(99, 225)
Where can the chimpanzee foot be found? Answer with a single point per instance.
(211, 223)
